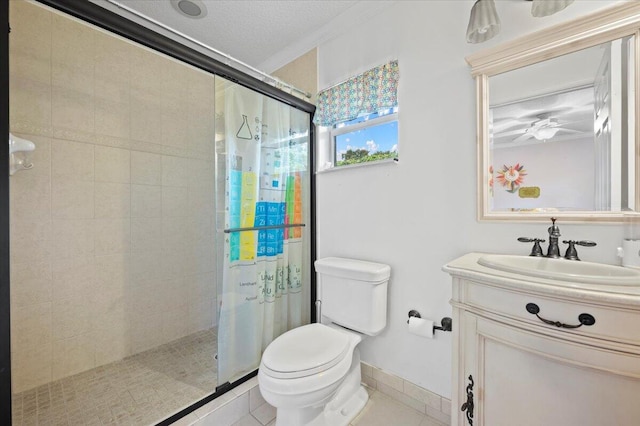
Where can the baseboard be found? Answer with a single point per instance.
(407, 393)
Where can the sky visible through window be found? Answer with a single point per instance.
(381, 138)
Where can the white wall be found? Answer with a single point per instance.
(421, 213)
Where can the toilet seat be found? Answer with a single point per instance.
(305, 351)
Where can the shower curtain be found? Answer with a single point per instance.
(262, 278)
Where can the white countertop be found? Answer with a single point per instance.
(468, 267)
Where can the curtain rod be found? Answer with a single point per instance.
(349, 78)
(276, 81)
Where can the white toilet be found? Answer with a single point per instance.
(311, 374)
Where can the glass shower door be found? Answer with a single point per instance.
(263, 189)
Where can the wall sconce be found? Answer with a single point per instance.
(540, 8)
(20, 154)
(484, 22)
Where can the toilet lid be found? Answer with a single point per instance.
(304, 351)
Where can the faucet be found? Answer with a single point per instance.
(553, 251)
(554, 232)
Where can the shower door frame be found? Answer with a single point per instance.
(96, 15)
(5, 318)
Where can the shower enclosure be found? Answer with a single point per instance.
(163, 236)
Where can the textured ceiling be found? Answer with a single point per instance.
(251, 31)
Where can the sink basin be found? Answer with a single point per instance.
(562, 269)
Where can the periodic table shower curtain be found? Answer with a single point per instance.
(261, 293)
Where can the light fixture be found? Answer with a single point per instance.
(483, 22)
(541, 8)
(195, 9)
(545, 133)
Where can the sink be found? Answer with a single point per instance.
(562, 269)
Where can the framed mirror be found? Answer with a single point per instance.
(557, 132)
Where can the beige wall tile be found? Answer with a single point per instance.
(72, 110)
(175, 130)
(174, 234)
(146, 234)
(112, 70)
(31, 369)
(201, 200)
(30, 41)
(112, 200)
(439, 415)
(175, 201)
(175, 323)
(30, 198)
(146, 333)
(201, 315)
(30, 106)
(146, 116)
(175, 171)
(72, 199)
(112, 118)
(146, 168)
(401, 397)
(74, 355)
(72, 161)
(391, 380)
(146, 266)
(72, 237)
(71, 317)
(73, 276)
(111, 345)
(174, 264)
(446, 406)
(146, 201)
(31, 326)
(72, 55)
(416, 392)
(112, 236)
(112, 164)
(30, 283)
(112, 274)
(201, 287)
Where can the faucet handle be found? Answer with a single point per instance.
(572, 253)
(536, 250)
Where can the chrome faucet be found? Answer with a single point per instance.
(554, 250)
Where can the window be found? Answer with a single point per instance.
(367, 138)
(358, 119)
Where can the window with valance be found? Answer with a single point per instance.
(360, 118)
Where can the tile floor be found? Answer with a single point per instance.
(380, 410)
(142, 389)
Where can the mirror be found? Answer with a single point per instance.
(557, 133)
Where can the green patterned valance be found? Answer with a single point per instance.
(368, 92)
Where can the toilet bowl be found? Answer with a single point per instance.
(311, 374)
(320, 385)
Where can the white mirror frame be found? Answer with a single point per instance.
(587, 31)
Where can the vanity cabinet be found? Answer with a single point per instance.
(512, 368)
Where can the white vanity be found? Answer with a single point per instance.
(512, 342)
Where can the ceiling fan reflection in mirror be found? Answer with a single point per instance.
(554, 117)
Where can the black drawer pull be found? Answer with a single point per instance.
(584, 319)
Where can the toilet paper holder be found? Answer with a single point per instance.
(445, 322)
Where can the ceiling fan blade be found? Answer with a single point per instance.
(523, 137)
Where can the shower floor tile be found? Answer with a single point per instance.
(142, 389)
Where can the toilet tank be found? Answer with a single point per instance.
(353, 293)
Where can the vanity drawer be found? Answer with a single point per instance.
(611, 323)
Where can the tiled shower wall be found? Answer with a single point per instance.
(112, 231)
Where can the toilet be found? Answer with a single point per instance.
(311, 374)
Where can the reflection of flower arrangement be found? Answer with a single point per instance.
(491, 180)
(511, 177)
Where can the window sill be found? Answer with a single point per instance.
(355, 166)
